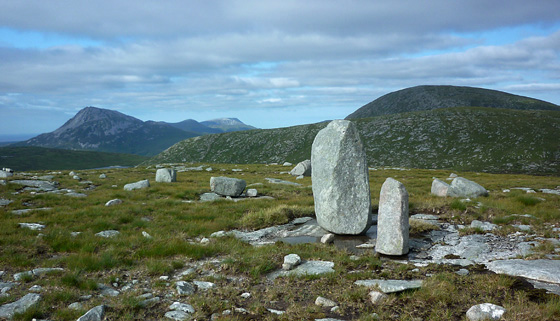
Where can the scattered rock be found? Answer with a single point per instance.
(4, 202)
(391, 286)
(203, 285)
(327, 238)
(107, 290)
(439, 188)
(102, 176)
(291, 261)
(463, 272)
(392, 220)
(462, 187)
(72, 173)
(28, 210)
(324, 302)
(485, 311)
(302, 169)
(3, 182)
(166, 175)
(208, 197)
(113, 202)
(95, 314)
(287, 164)
(485, 226)
(32, 226)
(227, 186)
(20, 306)
(340, 179)
(277, 312)
(74, 194)
(251, 192)
(185, 288)
(245, 295)
(307, 268)
(178, 306)
(377, 297)
(76, 177)
(146, 235)
(282, 182)
(36, 288)
(36, 184)
(453, 175)
(177, 315)
(5, 174)
(138, 185)
(108, 233)
(76, 306)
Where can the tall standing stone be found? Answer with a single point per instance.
(166, 175)
(392, 221)
(340, 179)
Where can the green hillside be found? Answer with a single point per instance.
(40, 158)
(468, 138)
(434, 97)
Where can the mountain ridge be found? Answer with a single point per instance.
(107, 130)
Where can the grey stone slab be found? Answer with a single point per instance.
(306, 268)
(95, 314)
(540, 270)
(390, 286)
(20, 306)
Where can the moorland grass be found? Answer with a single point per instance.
(171, 214)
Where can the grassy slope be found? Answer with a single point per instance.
(470, 138)
(39, 158)
(160, 211)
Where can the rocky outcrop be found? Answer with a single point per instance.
(340, 179)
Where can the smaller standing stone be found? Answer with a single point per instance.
(392, 220)
(377, 297)
(327, 238)
(290, 261)
(166, 175)
(485, 311)
(439, 188)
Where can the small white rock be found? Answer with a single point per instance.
(377, 297)
(146, 235)
(245, 295)
(290, 261)
(327, 238)
(485, 311)
(324, 302)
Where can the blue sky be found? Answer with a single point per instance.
(268, 63)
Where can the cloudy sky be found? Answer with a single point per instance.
(268, 63)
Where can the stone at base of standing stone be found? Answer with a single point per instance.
(392, 220)
(340, 179)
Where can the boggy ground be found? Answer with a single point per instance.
(135, 265)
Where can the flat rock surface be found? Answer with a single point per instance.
(10, 309)
(540, 270)
(306, 268)
(390, 286)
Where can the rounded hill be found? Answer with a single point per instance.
(421, 98)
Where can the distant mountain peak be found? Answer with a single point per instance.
(227, 124)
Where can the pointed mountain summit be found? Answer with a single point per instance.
(107, 130)
(427, 97)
